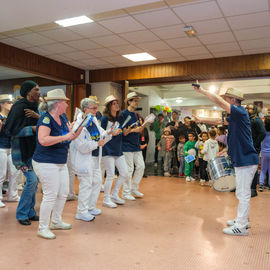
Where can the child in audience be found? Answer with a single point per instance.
(202, 163)
(189, 145)
(166, 146)
(222, 149)
(181, 155)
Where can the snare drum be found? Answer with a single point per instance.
(222, 174)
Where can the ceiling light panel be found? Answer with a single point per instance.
(138, 57)
(74, 21)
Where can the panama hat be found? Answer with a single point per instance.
(132, 95)
(109, 99)
(232, 92)
(56, 94)
(5, 98)
(94, 98)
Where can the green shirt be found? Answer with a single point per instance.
(158, 129)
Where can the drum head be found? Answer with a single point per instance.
(225, 183)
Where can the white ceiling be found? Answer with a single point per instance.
(224, 28)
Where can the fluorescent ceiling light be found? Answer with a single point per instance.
(138, 57)
(74, 21)
(179, 100)
(212, 89)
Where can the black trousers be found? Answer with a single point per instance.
(156, 151)
(203, 169)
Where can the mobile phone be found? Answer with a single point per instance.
(196, 85)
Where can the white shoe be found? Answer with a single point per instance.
(72, 197)
(137, 193)
(85, 217)
(188, 179)
(234, 230)
(17, 199)
(2, 204)
(202, 182)
(167, 174)
(192, 179)
(47, 234)
(233, 221)
(95, 212)
(109, 203)
(102, 188)
(60, 226)
(116, 199)
(128, 197)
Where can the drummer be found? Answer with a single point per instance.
(241, 151)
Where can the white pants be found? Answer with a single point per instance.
(133, 158)
(71, 176)
(244, 177)
(110, 163)
(55, 186)
(8, 171)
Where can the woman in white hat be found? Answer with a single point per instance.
(5, 155)
(113, 155)
(49, 162)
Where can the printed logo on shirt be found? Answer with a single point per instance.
(46, 120)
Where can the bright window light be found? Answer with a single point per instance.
(74, 21)
(137, 57)
(212, 89)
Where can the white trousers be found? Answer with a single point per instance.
(55, 185)
(8, 171)
(130, 184)
(244, 177)
(71, 176)
(89, 187)
(110, 163)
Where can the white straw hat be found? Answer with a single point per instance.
(132, 95)
(5, 98)
(56, 94)
(232, 92)
(109, 99)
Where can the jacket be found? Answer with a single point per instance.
(210, 149)
(162, 144)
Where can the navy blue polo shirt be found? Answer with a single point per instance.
(240, 144)
(4, 139)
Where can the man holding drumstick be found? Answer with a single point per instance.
(241, 151)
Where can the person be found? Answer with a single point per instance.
(166, 146)
(221, 134)
(7, 169)
(86, 163)
(22, 130)
(50, 163)
(132, 150)
(158, 127)
(241, 151)
(265, 154)
(200, 144)
(112, 154)
(180, 155)
(144, 140)
(191, 126)
(189, 149)
(222, 149)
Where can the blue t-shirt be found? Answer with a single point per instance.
(131, 142)
(4, 139)
(114, 146)
(95, 136)
(240, 144)
(56, 153)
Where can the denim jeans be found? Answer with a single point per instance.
(27, 202)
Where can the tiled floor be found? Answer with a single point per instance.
(177, 225)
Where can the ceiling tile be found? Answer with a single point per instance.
(44, 27)
(253, 33)
(198, 12)
(228, 53)
(57, 48)
(158, 18)
(146, 7)
(61, 34)
(38, 51)
(77, 55)
(199, 56)
(35, 39)
(122, 24)
(171, 59)
(165, 54)
(212, 26)
(217, 38)
(94, 61)
(256, 51)
(117, 59)
(58, 57)
(126, 49)
(255, 44)
(90, 30)
(16, 32)
(142, 36)
(233, 7)
(16, 43)
(153, 46)
(103, 66)
(193, 51)
(183, 42)
(249, 21)
(170, 31)
(82, 44)
(109, 41)
(223, 47)
(102, 52)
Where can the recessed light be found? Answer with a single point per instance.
(212, 89)
(138, 57)
(74, 21)
(190, 31)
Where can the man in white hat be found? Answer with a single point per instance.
(132, 150)
(241, 151)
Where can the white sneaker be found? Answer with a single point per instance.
(102, 188)
(116, 199)
(47, 234)
(95, 212)
(233, 221)
(234, 230)
(17, 199)
(60, 226)
(192, 179)
(85, 217)
(167, 174)
(202, 182)
(137, 193)
(2, 204)
(72, 197)
(128, 197)
(109, 203)
(188, 179)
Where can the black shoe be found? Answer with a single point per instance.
(144, 176)
(261, 188)
(25, 222)
(254, 193)
(34, 218)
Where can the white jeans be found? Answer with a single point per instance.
(71, 176)
(8, 171)
(244, 177)
(110, 163)
(55, 185)
(131, 159)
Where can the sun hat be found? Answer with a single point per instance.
(55, 95)
(232, 92)
(109, 99)
(94, 98)
(132, 95)
(5, 98)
